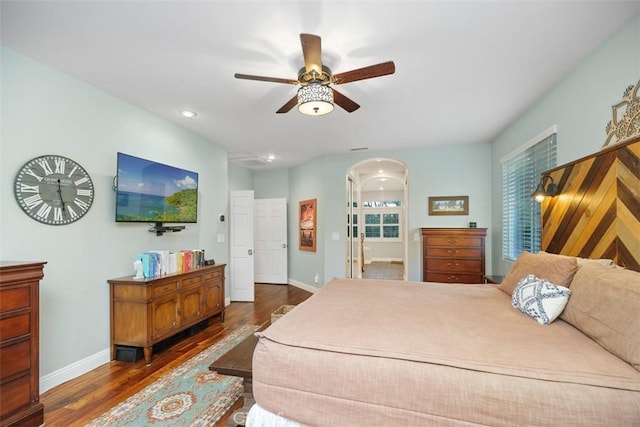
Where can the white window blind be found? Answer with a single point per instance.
(521, 222)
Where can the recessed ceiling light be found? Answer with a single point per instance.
(271, 157)
(188, 114)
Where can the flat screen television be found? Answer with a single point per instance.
(148, 191)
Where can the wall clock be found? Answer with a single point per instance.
(54, 190)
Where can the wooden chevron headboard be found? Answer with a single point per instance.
(596, 213)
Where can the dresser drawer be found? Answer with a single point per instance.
(15, 358)
(465, 241)
(468, 278)
(453, 252)
(163, 288)
(15, 326)
(455, 265)
(15, 394)
(213, 275)
(191, 281)
(15, 299)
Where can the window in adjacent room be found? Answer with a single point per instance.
(521, 222)
(382, 220)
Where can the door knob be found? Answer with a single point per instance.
(284, 246)
(250, 252)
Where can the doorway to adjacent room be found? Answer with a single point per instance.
(377, 233)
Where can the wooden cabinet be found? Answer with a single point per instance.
(453, 255)
(19, 344)
(147, 311)
(213, 293)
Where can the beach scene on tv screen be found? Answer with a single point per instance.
(154, 192)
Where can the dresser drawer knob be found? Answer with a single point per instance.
(452, 252)
(452, 241)
(452, 264)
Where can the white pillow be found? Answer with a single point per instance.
(540, 298)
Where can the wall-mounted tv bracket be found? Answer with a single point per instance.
(160, 229)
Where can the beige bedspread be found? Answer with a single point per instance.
(365, 352)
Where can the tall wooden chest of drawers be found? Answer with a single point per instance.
(19, 344)
(453, 255)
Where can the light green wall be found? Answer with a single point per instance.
(47, 112)
(271, 184)
(580, 105)
(305, 183)
(240, 178)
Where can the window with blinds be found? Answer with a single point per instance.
(521, 169)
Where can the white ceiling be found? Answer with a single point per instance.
(465, 70)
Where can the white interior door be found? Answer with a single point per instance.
(241, 223)
(271, 241)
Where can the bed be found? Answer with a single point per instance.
(375, 352)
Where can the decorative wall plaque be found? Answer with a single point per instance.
(625, 121)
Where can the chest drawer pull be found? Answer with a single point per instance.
(452, 252)
(452, 264)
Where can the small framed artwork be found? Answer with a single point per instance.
(307, 225)
(449, 205)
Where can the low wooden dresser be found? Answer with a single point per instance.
(147, 311)
(19, 344)
(453, 255)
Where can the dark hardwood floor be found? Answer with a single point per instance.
(78, 401)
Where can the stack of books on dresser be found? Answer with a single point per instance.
(161, 263)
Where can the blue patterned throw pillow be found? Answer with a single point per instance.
(540, 298)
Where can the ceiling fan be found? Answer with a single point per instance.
(316, 96)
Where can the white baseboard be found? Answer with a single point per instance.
(74, 370)
(303, 286)
(386, 259)
(227, 301)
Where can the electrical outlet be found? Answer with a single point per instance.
(316, 279)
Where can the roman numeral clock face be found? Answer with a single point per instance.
(54, 190)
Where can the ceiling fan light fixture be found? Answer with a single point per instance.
(315, 99)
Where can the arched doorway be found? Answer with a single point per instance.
(377, 230)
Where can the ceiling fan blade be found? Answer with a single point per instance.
(289, 105)
(349, 105)
(312, 52)
(265, 79)
(369, 72)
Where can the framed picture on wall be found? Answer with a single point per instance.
(449, 205)
(307, 225)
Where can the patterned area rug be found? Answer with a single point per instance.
(190, 395)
